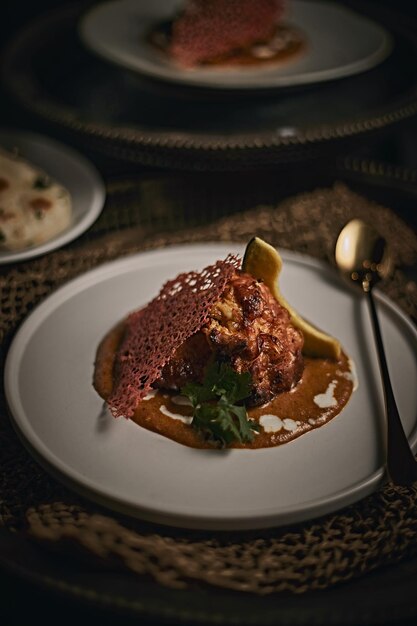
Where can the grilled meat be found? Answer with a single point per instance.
(210, 30)
(251, 331)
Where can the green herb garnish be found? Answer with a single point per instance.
(217, 414)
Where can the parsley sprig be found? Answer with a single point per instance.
(217, 414)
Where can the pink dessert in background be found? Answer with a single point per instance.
(207, 30)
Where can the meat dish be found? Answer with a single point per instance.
(218, 359)
(228, 33)
(250, 330)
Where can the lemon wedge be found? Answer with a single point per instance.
(264, 263)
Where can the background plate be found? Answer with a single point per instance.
(339, 43)
(69, 168)
(50, 73)
(130, 469)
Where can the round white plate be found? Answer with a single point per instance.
(48, 383)
(339, 43)
(69, 168)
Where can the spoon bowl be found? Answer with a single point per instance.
(363, 258)
(362, 255)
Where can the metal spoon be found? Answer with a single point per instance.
(362, 256)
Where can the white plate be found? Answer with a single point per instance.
(340, 43)
(48, 383)
(69, 168)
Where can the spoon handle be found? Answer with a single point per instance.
(401, 465)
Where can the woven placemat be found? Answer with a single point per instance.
(379, 530)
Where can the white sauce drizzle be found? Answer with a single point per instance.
(279, 42)
(326, 400)
(263, 51)
(181, 401)
(290, 424)
(271, 423)
(150, 394)
(187, 419)
(351, 375)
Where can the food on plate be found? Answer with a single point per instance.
(228, 32)
(216, 358)
(33, 207)
(247, 328)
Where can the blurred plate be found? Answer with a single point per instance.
(49, 72)
(70, 169)
(339, 42)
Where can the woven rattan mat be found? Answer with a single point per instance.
(379, 530)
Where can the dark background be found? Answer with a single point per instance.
(18, 600)
(400, 148)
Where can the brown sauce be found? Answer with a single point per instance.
(286, 43)
(321, 394)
